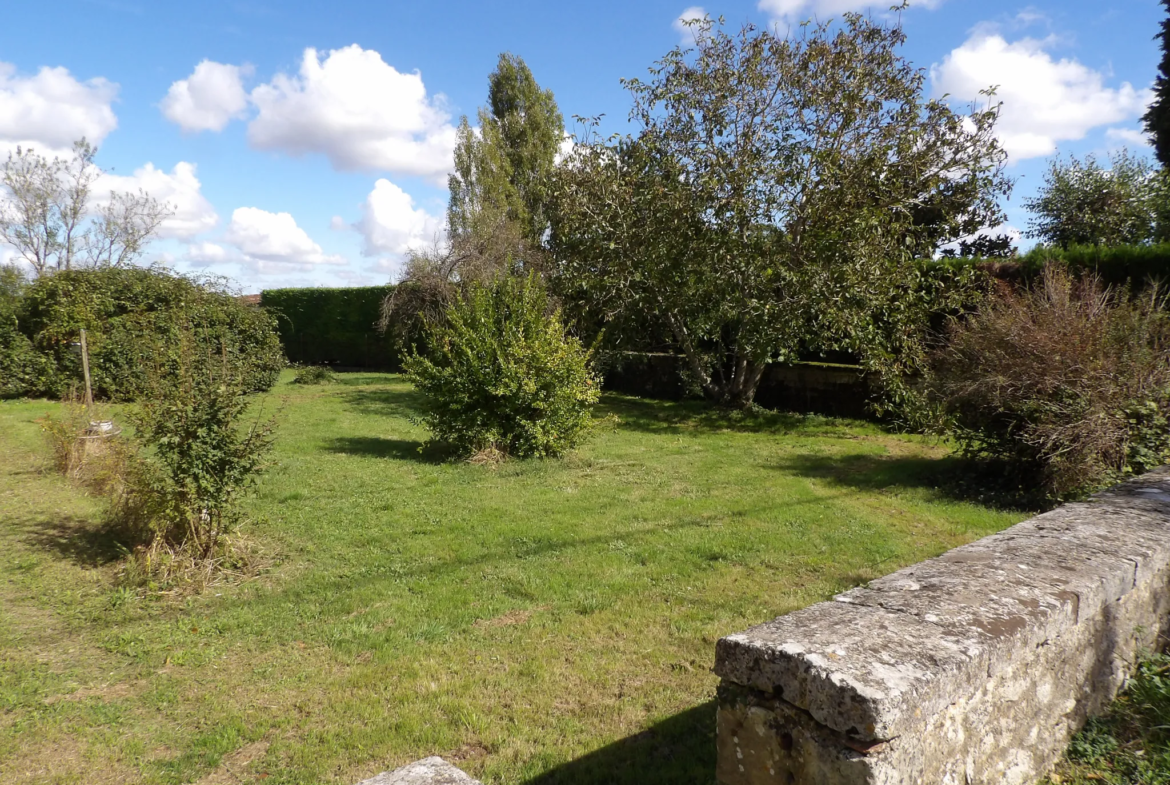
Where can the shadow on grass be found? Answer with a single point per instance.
(951, 477)
(376, 447)
(385, 401)
(653, 416)
(677, 751)
(83, 542)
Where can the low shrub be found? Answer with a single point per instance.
(198, 457)
(1066, 383)
(501, 377)
(315, 374)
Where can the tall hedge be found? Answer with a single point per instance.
(1118, 265)
(133, 318)
(334, 326)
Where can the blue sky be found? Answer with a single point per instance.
(307, 143)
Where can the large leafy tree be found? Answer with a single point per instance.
(1157, 117)
(502, 172)
(774, 199)
(1085, 203)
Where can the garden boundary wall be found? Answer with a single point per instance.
(977, 666)
(831, 389)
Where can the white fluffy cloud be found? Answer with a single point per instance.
(357, 110)
(179, 188)
(207, 253)
(271, 241)
(391, 224)
(1045, 101)
(799, 10)
(51, 110)
(686, 32)
(1128, 136)
(207, 100)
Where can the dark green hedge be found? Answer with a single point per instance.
(133, 318)
(332, 326)
(1136, 265)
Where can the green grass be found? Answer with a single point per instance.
(545, 622)
(1130, 745)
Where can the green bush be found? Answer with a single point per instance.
(502, 377)
(332, 325)
(315, 374)
(132, 317)
(198, 457)
(1066, 383)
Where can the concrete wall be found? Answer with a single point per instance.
(974, 667)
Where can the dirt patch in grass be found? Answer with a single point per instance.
(234, 767)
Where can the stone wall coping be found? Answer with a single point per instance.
(874, 661)
(428, 771)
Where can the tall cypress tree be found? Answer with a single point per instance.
(1157, 117)
(503, 172)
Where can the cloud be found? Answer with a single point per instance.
(52, 110)
(1045, 101)
(799, 10)
(687, 32)
(207, 100)
(207, 253)
(180, 189)
(271, 242)
(1129, 136)
(391, 224)
(358, 111)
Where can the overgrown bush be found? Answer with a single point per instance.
(502, 377)
(1066, 383)
(131, 317)
(315, 374)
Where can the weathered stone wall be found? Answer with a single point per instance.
(974, 667)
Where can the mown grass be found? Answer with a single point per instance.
(545, 622)
(1130, 745)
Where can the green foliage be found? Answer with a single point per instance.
(199, 459)
(1117, 265)
(1084, 203)
(131, 316)
(503, 173)
(1131, 743)
(769, 206)
(1157, 117)
(315, 374)
(502, 376)
(332, 325)
(1066, 383)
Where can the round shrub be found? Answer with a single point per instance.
(500, 374)
(133, 318)
(1066, 383)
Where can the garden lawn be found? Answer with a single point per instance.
(539, 622)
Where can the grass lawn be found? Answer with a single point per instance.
(544, 622)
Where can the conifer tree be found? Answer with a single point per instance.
(1157, 117)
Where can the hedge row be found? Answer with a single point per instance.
(137, 321)
(1136, 265)
(332, 326)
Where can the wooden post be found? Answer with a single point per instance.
(85, 367)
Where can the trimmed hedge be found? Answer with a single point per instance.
(1136, 265)
(133, 318)
(332, 326)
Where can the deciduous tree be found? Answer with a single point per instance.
(48, 215)
(773, 198)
